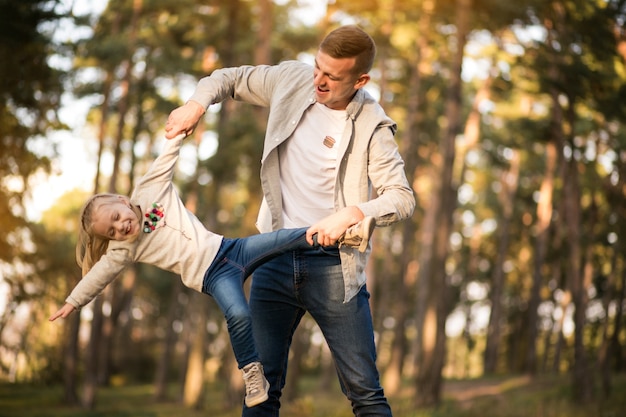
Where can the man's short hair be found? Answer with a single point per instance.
(348, 42)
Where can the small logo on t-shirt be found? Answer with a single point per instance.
(329, 142)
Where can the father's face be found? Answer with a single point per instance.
(335, 83)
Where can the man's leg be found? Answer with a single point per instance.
(348, 330)
(275, 316)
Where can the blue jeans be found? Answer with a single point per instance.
(235, 261)
(311, 280)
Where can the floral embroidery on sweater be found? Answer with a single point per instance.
(153, 216)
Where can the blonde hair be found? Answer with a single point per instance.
(90, 247)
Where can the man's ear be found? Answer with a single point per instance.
(361, 81)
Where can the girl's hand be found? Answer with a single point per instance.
(183, 120)
(63, 312)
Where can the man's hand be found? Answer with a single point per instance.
(183, 120)
(330, 228)
(63, 312)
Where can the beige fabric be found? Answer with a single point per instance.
(180, 243)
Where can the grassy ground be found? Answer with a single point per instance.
(501, 397)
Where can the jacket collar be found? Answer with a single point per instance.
(356, 105)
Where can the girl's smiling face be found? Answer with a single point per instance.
(116, 220)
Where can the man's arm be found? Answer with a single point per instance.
(250, 84)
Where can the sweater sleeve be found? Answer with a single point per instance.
(100, 275)
(162, 168)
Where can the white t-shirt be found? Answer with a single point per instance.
(308, 161)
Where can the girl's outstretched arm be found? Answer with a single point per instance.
(64, 311)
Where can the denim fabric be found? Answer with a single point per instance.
(235, 261)
(311, 280)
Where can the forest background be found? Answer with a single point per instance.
(510, 119)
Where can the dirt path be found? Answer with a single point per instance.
(466, 391)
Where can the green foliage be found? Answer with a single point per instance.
(29, 97)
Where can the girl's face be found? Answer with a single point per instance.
(335, 81)
(116, 220)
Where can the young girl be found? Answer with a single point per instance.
(154, 227)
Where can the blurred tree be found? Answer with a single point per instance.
(55, 262)
(576, 68)
(30, 95)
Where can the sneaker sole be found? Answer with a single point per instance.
(256, 401)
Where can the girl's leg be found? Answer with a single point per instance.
(255, 250)
(224, 282)
(235, 261)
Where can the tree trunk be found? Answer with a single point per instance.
(582, 382)
(328, 370)
(544, 218)
(89, 389)
(471, 136)
(70, 359)
(169, 341)
(555, 326)
(432, 323)
(196, 319)
(429, 223)
(107, 326)
(93, 353)
(263, 50)
(604, 352)
(509, 183)
(232, 378)
(194, 381)
(121, 297)
(298, 350)
(104, 115)
(400, 300)
(615, 343)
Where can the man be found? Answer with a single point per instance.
(328, 146)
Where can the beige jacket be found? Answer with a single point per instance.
(368, 159)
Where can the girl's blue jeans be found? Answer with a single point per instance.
(235, 261)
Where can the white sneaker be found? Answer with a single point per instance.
(256, 384)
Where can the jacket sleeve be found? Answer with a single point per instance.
(394, 199)
(251, 84)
